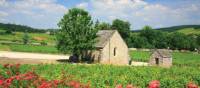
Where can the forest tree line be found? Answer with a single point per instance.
(148, 37)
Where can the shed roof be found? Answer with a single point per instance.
(103, 37)
(163, 52)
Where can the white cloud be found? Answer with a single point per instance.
(3, 3)
(3, 14)
(47, 13)
(140, 12)
(83, 5)
(37, 13)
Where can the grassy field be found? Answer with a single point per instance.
(34, 37)
(140, 55)
(104, 76)
(28, 48)
(189, 31)
(14, 41)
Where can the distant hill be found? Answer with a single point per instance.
(186, 29)
(19, 28)
(175, 28)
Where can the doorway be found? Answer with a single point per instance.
(157, 61)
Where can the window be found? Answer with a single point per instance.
(114, 52)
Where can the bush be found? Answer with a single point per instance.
(25, 38)
(43, 43)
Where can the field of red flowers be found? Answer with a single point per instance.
(13, 78)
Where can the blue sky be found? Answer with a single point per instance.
(156, 13)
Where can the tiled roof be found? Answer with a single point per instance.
(103, 37)
(164, 52)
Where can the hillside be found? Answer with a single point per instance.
(186, 29)
(19, 28)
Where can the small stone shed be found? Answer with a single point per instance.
(161, 57)
(111, 48)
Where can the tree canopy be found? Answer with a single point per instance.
(123, 27)
(77, 33)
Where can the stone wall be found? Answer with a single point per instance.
(121, 57)
(163, 61)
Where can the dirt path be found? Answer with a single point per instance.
(29, 58)
(139, 63)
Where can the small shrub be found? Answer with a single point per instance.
(25, 38)
(43, 43)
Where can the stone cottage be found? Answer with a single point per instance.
(161, 57)
(111, 48)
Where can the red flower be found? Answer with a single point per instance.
(28, 77)
(1, 82)
(129, 86)
(74, 84)
(45, 85)
(154, 84)
(191, 85)
(119, 86)
(56, 82)
(8, 81)
(87, 86)
(17, 65)
(6, 65)
(17, 77)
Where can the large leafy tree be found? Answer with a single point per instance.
(77, 33)
(156, 38)
(123, 27)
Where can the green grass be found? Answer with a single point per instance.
(17, 36)
(189, 31)
(140, 55)
(186, 59)
(29, 48)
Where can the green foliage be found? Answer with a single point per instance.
(8, 31)
(43, 43)
(25, 38)
(123, 28)
(150, 38)
(182, 41)
(198, 40)
(156, 38)
(102, 26)
(138, 42)
(77, 33)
